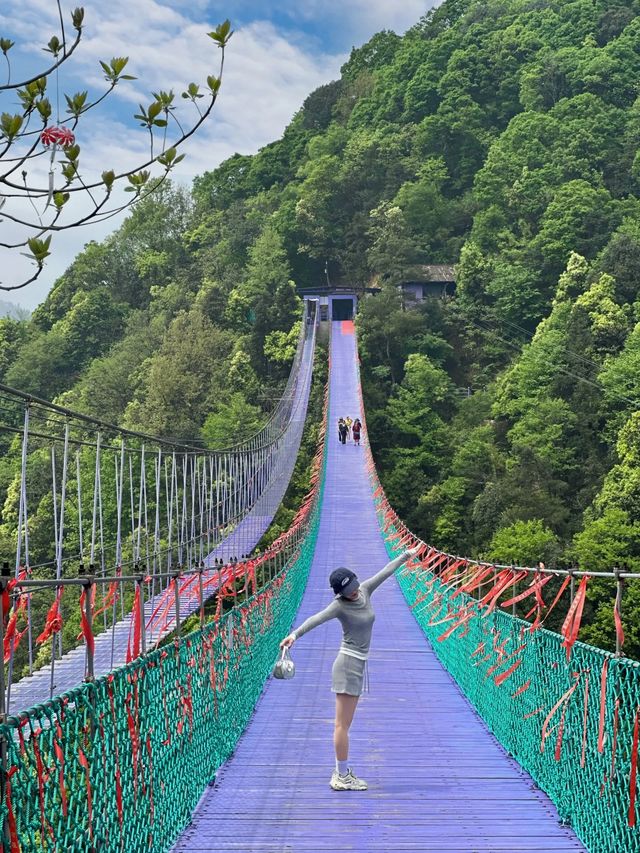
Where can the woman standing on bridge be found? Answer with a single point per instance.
(352, 606)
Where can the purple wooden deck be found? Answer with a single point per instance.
(438, 780)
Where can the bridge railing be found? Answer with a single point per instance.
(568, 712)
(120, 515)
(120, 762)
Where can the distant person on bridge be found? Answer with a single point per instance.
(355, 429)
(342, 431)
(348, 422)
(352, 606)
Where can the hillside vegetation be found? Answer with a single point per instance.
(501, 136)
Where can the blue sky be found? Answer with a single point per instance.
(280, 52)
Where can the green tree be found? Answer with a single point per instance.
(523, 543)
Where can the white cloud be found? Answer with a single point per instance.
(362, 18)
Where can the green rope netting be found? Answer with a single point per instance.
(119, 765)
(583, 757)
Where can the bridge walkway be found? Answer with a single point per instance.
(438, 780)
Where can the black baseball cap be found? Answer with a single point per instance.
(343, 581)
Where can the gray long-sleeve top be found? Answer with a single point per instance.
(356, 617)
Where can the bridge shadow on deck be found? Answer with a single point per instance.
(438, 780)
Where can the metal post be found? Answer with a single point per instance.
(143, 638)
(176, 590)
(88, 585)
(618, 606)
(572, 585)
(201, 593)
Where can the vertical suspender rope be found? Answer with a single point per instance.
(202, 504)
(195, 480)
(22, 529)
(79, 489)
(169, 497)
(143, 465)
(63, 496)
(103, 556)
(55, 535)
(234, 492)
(176, 504)
(94, 522)
(217, 462)
(118, 482)
(156, 531)
(59, 534)
(94, 512)
(211, 506)
(120, 523)
(221, 504)
(132, 511)
(27, 557)
(141, 497)
(182, 538)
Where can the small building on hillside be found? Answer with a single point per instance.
(428, 280)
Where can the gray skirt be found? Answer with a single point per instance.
(347, 675)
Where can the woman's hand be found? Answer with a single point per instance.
(287, 642)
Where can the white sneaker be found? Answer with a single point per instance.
(348, 782)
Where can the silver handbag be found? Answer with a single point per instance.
(285, 667)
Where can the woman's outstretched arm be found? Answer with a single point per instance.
(329, 612)
(374, 582)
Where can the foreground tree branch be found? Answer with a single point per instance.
(38, 209)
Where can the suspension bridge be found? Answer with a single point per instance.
(481, 731)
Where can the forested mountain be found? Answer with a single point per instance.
(501, 136)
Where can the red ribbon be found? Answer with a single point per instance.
(53, 622)
(87, 633)
(82, 758)
(585, 715)
(603, 704)
(618, 621)
(57, 746)
(500, 679)
(571, 625)
(133, 649)
(11, 818)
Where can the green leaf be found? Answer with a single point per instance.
(193, 92)
(44, 108)
(222, 33)
(154, 109)
(213, 83)
(118, 64)
(77, 17)
(76, 103)
(108, 178)
(60, 199)
(69, 171)
(72, 153)
(10, 125)
(53, 46)
(6, 45)
(39, 248)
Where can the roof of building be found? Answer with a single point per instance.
(430, 272)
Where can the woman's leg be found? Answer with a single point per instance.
(345, 709)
